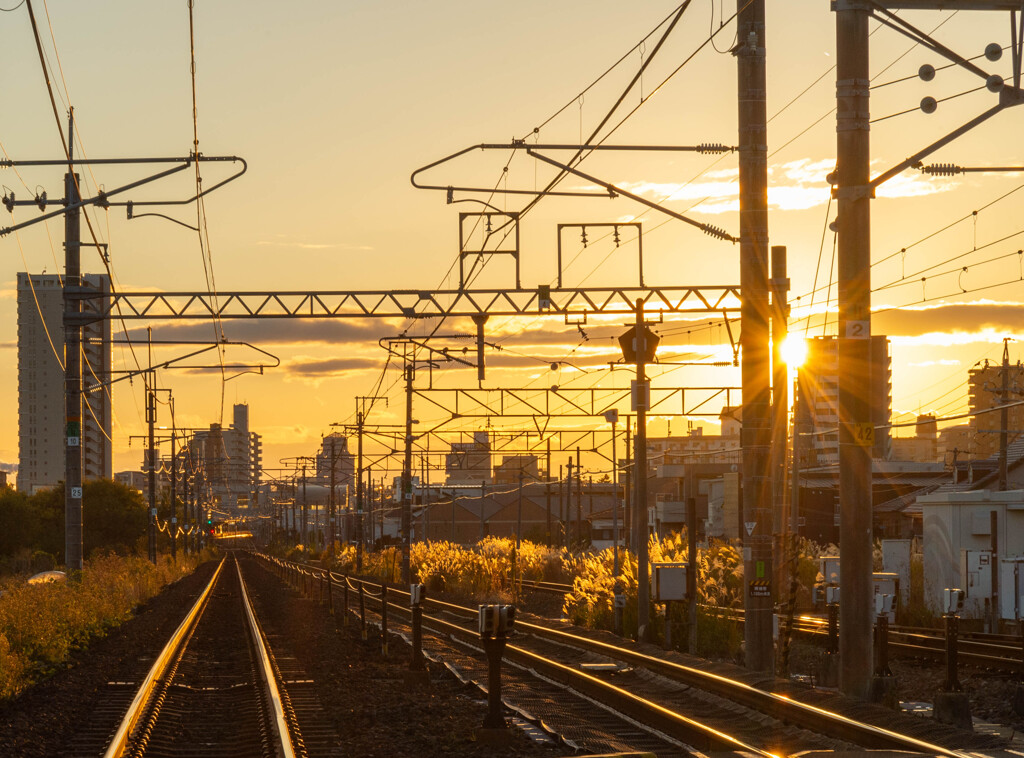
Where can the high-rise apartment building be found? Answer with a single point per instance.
(818, 394)
(41, 430)
(228, 461)
(984, 385)
(334, 454)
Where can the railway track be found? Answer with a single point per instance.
(692, 707)
(993, 652)
(216, 688)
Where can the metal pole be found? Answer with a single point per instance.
(615, 511)
(561, 509)
(579, 501)
(617, 586)
(780, 409)
(359, 491)
(151, 462)
(305, 507)
(331, 507)
(174, 491)
(483, 494)
(547, 494)
(640, 456)
(856, 431)
(72, 365)
(410, 372)
(1004, 414)
(519, 537)
(627, 489)
(756, 431)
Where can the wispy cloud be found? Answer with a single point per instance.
(796, 185)
(314, 245)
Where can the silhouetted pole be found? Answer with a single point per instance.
(640, 458)
(72, 363)
(756, 430)
(410, 373)
(856, 433)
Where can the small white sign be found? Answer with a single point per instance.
(76, 492)
(74, 441)
(750, 525)
(858, 330)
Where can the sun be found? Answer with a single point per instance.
(794, 350)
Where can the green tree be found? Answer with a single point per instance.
(113, 518)
(18, 525)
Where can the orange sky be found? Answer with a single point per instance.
(334, 105)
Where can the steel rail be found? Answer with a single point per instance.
(120, 740)
(279, 722)
(645, 711)
(777, 706)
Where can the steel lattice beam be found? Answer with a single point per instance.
(572, 403)
(567, 302)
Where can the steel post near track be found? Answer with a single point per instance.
(952, 625)
(362, 611)
(384, 619)
(494, 647)
(344, 601)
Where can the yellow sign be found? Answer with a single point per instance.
(863, 434)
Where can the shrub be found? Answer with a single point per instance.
(41, 625)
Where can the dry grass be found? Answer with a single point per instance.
(41, 625)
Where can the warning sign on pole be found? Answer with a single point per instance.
(760, 588)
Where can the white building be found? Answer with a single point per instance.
(958, 548)
(41, 423)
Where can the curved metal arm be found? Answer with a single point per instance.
(202, 159)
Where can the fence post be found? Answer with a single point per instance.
(384, 619)
(362, 610)
(344, 602)
(330, 594)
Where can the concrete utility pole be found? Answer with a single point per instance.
(756, 430)
(174, 487)
(331, 505)
(410, 375)
(640, 456)
(856, 433)
(151, 461)
(359, 490)
(1004, 417)
(72, 362)
(780, 406)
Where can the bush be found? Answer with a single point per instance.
(41, 625)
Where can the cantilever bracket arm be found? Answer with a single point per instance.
(955, 134)
(170, 363)
(706, 148)
(904, 27)
(613, 191)
(102, 198)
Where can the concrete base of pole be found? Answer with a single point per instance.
(883, 690)
(1018, 700)
(828, 670)
(416, 678)
(495, 737)
(953, 708)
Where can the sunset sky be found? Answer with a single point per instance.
(334, 105)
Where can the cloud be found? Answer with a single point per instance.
(796, 185)
(277, 331)
(982, 318)
(315, 245)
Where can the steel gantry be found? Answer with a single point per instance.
(569, 302)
